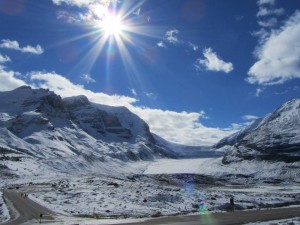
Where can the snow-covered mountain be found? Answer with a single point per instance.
(276, 137)
(40, 124)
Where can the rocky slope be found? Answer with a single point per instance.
(276, 137)
(40, 124)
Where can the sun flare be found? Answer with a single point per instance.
(112, 25)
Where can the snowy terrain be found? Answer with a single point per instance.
(137, 196)
(4, 213)
(85, 159)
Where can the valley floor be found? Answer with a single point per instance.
(166, 188)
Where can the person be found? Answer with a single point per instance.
(231, 203)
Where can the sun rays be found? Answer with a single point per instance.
(114, 31)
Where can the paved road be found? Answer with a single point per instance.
(27, 209)
(230, 218)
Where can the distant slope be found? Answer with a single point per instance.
(276, 137)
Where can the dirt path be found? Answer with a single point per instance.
(230, 218)
(26, 209)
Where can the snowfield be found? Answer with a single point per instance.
(239, 172)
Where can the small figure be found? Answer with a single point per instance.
(232, 203)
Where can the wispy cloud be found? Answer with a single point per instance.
(267, 13)
(161, 44)
(4, 59)
(87, 78)
(192, 46)
(8, 44)
(265, 2)
(213, 62)
(259, 91)
(263, 11)
(278, 55)
(84, 3)
(90, 12)
(133, 92)
(249, 117)
(150, 95)
(270, 22)
(171, 38)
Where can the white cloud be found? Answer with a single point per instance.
(249, 117)
(87, 78)
(8, 44)
(213, 62)
(4, 59)
(9, 80)
(66, 88)
(278, 55)
(181, 127)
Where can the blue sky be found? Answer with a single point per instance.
(194, 70)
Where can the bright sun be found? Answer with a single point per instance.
(112, 25)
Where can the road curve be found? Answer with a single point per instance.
(26, 208)
(230, 218)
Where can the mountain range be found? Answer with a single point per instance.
(38, 127)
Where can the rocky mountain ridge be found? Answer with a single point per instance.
(275, 137)
(39, 123)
